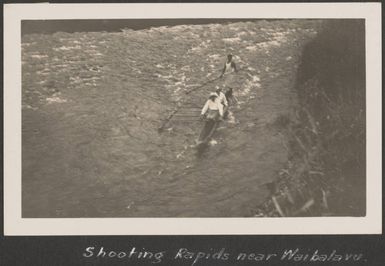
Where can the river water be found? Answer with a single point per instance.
(92, 104)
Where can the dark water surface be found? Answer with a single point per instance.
(111, 25)
(92, 103)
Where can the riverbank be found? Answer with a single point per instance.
(326, 171)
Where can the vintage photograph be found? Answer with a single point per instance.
(189, 118)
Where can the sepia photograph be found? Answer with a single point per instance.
(193, 119)
(221, 117)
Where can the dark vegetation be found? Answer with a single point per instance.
(325, 174)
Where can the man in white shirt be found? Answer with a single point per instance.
(221, 97)
(212, 107)
(229, 71)
(229, 66)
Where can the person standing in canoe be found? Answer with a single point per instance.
(212, 107)
(230, 97)
(222, 100)
(228, 72)
(221, 97)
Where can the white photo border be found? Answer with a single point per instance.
(14, 224)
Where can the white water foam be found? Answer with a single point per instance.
(213, 142)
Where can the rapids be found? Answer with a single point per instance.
(92, 103)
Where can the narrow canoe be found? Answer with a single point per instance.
(207, 131)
